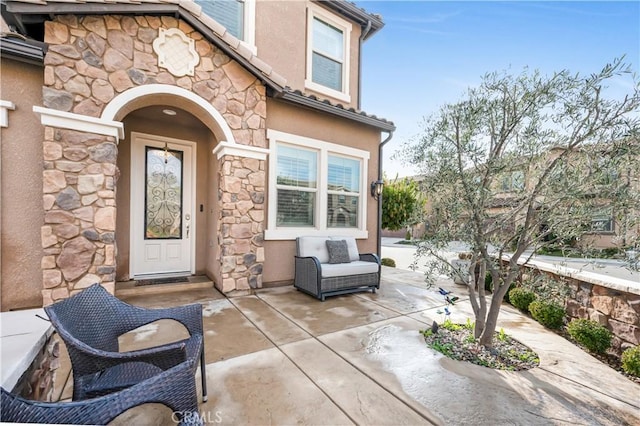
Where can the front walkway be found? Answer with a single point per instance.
(281, 357)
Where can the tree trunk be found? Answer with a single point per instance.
(479, 325)
(486, 339)
(478, 284)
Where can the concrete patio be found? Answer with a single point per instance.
(281, 357)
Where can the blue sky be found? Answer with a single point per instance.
(429, 52)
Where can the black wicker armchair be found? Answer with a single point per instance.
(90, 323)
(174, 388)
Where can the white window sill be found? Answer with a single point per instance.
(293, 233)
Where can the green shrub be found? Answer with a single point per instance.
(548, 288)
(548, 314)
(631, 360)
(590, 334)
(488, 287)
(407, 236)
(488, 283)
(506, 297)
(521, 298)
(610, 252)
(387, 261)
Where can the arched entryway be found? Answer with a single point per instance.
(192, 142)
(167, 190)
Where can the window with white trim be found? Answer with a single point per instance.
(343, 191)
(602, 222)
(315, 187)
(297, 188)
(328, 39)
(237, 16)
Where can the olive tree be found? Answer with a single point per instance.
(521, 162)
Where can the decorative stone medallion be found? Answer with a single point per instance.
(176, 52)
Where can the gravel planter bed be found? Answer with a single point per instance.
(456, 341)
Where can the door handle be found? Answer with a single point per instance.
(187, 218)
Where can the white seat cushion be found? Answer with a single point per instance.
(345, 269)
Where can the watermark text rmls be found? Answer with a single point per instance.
(206, 417)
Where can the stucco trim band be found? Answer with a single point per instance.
(81, 123)
(226, 148)
(5, 106)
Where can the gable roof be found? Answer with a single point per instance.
(19, 13)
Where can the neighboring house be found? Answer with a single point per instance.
(610, 224)
(155, 139)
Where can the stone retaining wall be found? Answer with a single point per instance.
(616, 309)
(37, 383)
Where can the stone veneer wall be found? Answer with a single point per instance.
(90, 60)
(240, 225)
(617, 310)
(78, 239)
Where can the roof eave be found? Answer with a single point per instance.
(356, 14)
(318, 105)
(23, 51)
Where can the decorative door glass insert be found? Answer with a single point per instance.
(163, 201)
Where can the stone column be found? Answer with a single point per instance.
(241, 219)
(79, 184)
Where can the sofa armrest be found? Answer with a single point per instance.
(370, 257)
(308, 274)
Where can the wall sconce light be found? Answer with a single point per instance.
(376, 189)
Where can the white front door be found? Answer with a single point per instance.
(162, 206)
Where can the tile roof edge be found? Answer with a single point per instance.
(260, 67)
(313, 102)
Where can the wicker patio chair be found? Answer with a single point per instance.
(90, 323)
(174, 388)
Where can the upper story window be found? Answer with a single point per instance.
(513, 181)
(315, 187)
(328, 40)
(237, 16)
(327, 55)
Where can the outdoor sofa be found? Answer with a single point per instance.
(329, 266)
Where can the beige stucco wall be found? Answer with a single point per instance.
(284, 46)
(195, 132)
(21, 187)
(278, 266)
